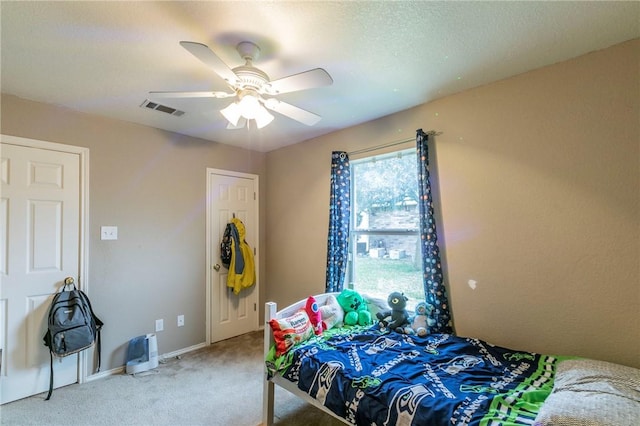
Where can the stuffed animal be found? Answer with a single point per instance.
(397, 318)
(421, 322)
(355, 308)
(331, 313)
(313, 312)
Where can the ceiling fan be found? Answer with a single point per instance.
(254, 91)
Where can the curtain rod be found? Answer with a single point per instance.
(386, 145)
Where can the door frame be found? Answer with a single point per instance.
(83, 260)
(256, 245)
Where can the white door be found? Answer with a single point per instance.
(40, 218)
(230, 194)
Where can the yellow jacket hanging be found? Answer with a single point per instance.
(242, 270)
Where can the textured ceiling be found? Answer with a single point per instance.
(103, 58)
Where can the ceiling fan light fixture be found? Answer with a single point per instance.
(249, 106)
(232, 113)
(263, 118)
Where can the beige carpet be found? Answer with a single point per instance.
(217, 385)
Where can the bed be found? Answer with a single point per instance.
(368, 375)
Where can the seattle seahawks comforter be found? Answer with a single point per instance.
(370, 376)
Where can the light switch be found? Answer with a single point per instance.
(109, 233)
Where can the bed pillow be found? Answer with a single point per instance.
(290, 331)
(592, 393)
(375, 304)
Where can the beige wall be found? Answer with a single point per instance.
(539, 180)
(152, 185)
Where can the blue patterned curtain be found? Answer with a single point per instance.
(434, 289)
(339, 214)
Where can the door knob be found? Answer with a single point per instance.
(69, 281)
(216, 267)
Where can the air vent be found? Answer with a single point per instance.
(162, 108)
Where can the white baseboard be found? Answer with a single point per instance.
(121, 369)
(183, 351)
(103, 374)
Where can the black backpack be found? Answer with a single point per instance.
(225, 245)
(72, 325)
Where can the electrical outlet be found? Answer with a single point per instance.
(159, 325)
(180, 320)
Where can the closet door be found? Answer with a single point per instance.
(230, 194)
(40, 225)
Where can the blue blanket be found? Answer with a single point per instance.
(370, 376)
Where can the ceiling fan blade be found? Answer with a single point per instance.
(192, 94)
(316, 77)
(298, 114)
(206, 55)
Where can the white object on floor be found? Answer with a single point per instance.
(142, 354)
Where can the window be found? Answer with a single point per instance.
(384, 247)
